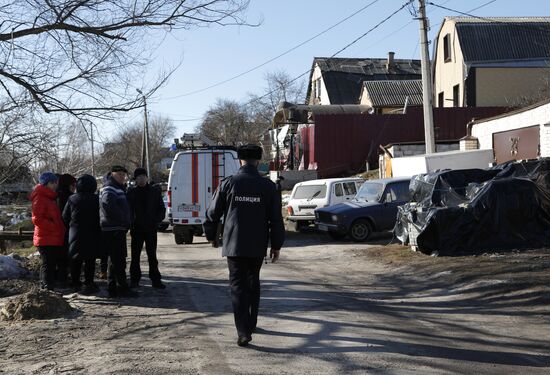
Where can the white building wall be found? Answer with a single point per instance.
(450, 73)
(324, 99)
(484, 131)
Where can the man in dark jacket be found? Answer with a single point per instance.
(147, 211)
(115, 221)
(81, 216)
(251, 210)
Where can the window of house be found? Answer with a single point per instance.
(317, 88)
(441, 99)
(314, 89)
(456, 90)
(338, 191)
(447, 47)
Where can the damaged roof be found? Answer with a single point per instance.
(344, 77)
(503, 38)
(393, 93)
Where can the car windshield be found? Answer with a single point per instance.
(370, 192)
(310, 192)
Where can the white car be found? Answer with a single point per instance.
(310, 195)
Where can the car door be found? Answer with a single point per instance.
(395, 194)
(350, 190)
(337, 194)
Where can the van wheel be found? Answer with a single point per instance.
(188, 237)
(360, 230)
(179, 239)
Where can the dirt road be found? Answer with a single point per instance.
(327, 308)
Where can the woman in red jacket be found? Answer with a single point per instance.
(49, 230)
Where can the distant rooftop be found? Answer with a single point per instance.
(344, 77)
(393, 93)
(503, 38)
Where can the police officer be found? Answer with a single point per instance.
(251, 208)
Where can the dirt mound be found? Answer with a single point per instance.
(36, 304)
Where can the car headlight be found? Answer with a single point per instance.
(335, 218)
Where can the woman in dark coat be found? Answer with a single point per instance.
(65, 188)
(81, 215)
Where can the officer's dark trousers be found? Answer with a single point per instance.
(150, 240)
(244, 278)
(115, 243)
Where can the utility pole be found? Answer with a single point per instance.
(426, 80)
(92, 140)
(145, 138)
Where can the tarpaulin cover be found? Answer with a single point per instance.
(474, 210)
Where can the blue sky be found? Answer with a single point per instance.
(210, 55)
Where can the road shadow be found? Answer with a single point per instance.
(392, 313)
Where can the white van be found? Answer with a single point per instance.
(194, 177)
(309, 195)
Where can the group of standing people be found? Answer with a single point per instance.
(74, 226)
(246, 204)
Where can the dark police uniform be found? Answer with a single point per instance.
(251, 208)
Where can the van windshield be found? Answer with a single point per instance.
(310, 192)
(370, 192)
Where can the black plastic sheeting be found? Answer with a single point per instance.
(454, 212)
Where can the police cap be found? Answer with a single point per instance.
(249, 152)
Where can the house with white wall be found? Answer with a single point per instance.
(517, 135)
(391, 96)
(497, 61)
(340, 80)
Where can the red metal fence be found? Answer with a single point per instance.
(340, 144)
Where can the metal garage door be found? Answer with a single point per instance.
(523, 143)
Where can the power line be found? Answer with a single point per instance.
(495, 20)
(383, 21)
(276, 57)
(340, 50)
(439, 23)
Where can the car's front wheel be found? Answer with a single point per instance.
(360, 230)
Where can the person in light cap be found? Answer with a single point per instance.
(251, 208)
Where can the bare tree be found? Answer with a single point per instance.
(70, 151)
(82, 56)
(125, 147)
(227, 122)
(280, 86)
(25, 138)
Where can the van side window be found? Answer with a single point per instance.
(338, 190)
(350, 189)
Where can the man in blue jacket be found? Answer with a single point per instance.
(251, 211)
(114, 215)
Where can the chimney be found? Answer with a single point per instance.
(390, 63)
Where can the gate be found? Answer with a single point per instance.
(517, 144)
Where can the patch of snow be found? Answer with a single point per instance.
(11, 268)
